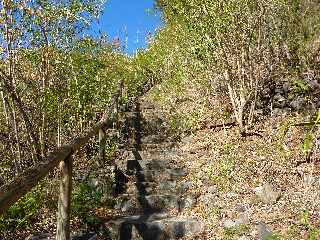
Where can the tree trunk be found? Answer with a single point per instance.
(17, 161)
(11, 141)
(102, 146)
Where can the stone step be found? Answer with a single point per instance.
(153, 227)
(138, 165)
(152, 154)
(146, 105)
(155, 202)
(153, 138)
(160, 175)
(152, 146)
(129, 146)
(166, 187)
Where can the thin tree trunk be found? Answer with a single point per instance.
(11, 69)
(18, 152)
(11, 142)
(42, 135)
(59, 128)
(102, 146)
(45, 84)
(32, 134)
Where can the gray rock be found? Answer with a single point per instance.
(126, 204)
(167, 185)
(279, 111)
(163, 201)
(266, 193)
(177, 227)
(85, 236)
(189, 201)
(264, 231)
(240, 208)
(276, 112)
(212, 190)
(286, 87)
(41, 236)
(136, 234)
(279, 101)
(153, 227)
(310, 180)
(279, 90)
(208, 199)
(258, 112)
(298, 103)
(316, 101)
(185, 186)
(188, 139)
(152, 139)
(314, 85)
(93, 182)
(241, 220)
(230, 224)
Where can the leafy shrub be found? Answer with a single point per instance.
(238, 45)
(84, 199)
(300, 87)
(21, 214)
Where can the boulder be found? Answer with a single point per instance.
(264, 231)
(298, 103)
(241, 220)
(266, 193)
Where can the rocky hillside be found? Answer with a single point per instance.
(264, 185)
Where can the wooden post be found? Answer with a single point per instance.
(63, 224)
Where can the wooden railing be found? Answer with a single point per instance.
(62, 156)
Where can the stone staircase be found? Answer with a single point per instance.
(153, 191)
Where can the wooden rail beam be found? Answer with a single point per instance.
(11, 192)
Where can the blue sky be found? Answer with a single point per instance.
(129, 20)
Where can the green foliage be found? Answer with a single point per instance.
(283, 131)
(183, 122)
(233, 233)
(273, 237)
(305, 219)
(23, 212)
(299, 88)
(36, 24)
(308, 142)
(314, 232)
(218, 43)
(65, 82)
(309, 137)
(222, 176)
(85, 199)
(111, 147)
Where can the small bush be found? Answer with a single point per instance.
(21, 214)
(85, 199)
